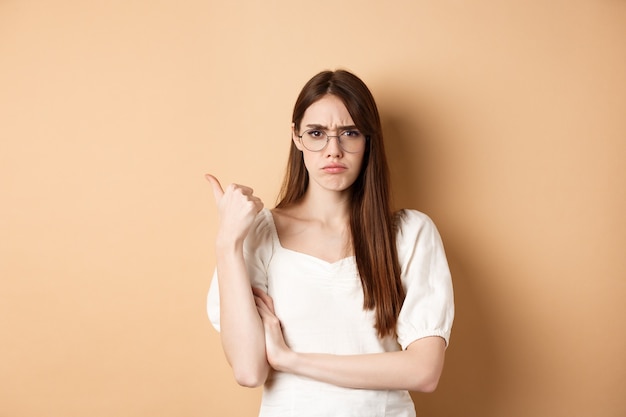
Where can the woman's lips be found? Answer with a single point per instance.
(334, 168)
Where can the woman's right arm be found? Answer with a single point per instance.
(241, 327)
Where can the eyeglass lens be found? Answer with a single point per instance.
(349, 140)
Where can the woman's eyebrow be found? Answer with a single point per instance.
(322, 127)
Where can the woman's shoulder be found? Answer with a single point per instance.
(286, 219)
(262, 221)
(262, 229)
(414, 227)
(408, 220)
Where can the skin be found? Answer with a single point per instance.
(319, 226)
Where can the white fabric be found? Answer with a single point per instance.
(320, 306)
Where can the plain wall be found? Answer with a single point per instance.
(505, 121)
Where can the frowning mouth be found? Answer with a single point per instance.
(334, 168)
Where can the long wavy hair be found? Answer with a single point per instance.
(371, 220)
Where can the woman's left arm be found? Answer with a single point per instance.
(417, 368)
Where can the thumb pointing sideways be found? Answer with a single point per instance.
(218, 191)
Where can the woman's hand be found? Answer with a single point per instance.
(237, 207)
(277, 351)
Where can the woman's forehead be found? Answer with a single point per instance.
(329, 111)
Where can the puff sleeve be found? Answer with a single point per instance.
(428, 309)
(257, 249)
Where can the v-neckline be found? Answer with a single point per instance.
(278, 243)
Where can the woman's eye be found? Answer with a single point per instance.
(351, 133)
(316, 133)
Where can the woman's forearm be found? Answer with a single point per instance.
(241, 328)
(416, 369)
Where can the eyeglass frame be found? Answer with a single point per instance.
(367, 139)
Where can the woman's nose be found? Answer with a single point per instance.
(333, 148)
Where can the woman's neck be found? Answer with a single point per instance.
(318, 225)
(326, 207)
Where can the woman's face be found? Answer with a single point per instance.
(332, 168)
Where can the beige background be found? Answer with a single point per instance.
(506, 123)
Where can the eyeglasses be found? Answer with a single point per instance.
(351, 141)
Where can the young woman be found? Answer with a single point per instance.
(334, 303)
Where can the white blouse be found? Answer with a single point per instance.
(320, 306)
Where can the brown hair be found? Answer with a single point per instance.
(371, 221)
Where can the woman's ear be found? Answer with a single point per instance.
(295, 137)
